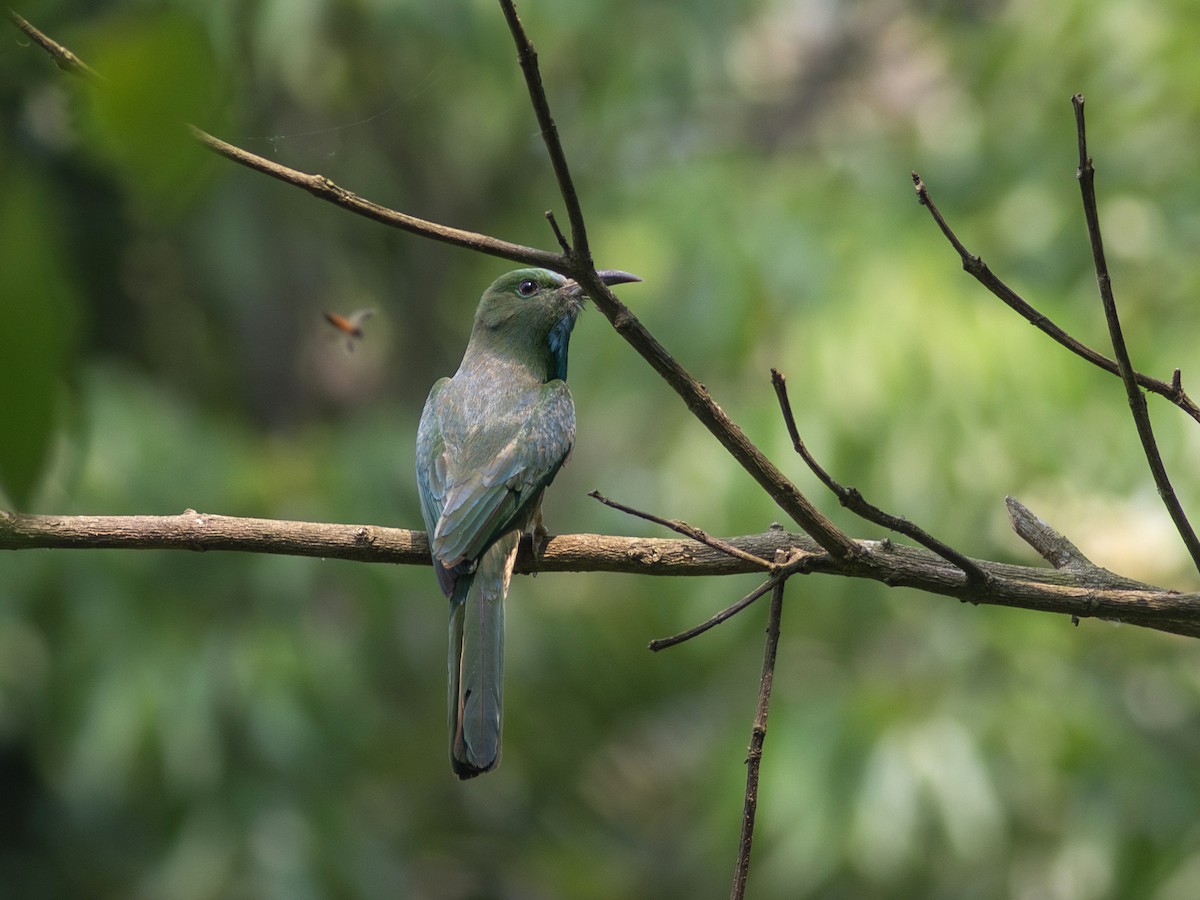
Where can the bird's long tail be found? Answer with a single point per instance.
(476, 660)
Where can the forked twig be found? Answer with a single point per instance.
(1137, 400)
(977, 268)
(578, 260)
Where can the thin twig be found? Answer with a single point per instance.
(758, 735)
(857, 504)
(1137, 400)
(976, 267)
(724, 615)
(558, 235)
(325, 189)
(685, 529)
(63, 58)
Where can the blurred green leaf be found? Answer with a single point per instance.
(159, 74)
(38, 312)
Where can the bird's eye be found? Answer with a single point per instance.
(527, 288)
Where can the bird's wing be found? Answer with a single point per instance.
(431, 471)
(487, 498)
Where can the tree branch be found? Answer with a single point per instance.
(325, 189)
(712, 622)
(1050, 544)
(1095, 593)
(694, 395)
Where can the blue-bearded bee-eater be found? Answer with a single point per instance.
(491, 438)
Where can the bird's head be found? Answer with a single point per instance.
(533, 311)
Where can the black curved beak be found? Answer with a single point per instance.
(608, 276)
(616, 276)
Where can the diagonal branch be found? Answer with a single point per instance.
(723, 616)
(527, 57)
(1137, 400)
(859, 505)
(317, 185)
(325, 189)
(63, 58)
(1050, 544)
(978, 269)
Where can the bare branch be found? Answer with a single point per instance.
(758, 735)
(1137, 400)
(976, 267)
(1096, 593)
(201, 532)
(725, 430)
(831, 550)
(857, 504)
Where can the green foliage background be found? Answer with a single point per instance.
(193, 726)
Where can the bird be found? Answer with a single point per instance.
(491, 438)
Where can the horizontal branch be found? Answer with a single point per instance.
(1079, 593)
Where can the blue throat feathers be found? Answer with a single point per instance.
(558, 339)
